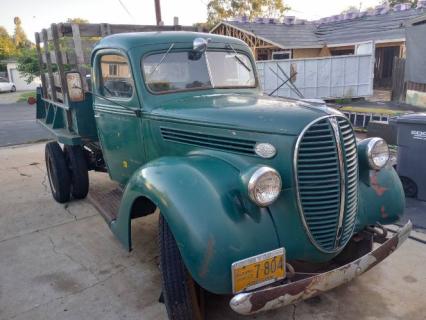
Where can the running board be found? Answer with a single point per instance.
(106, 202)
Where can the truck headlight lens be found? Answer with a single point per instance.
(377, 153)
(264, 186)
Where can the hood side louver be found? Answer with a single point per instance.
(209, 141)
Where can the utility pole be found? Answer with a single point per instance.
(158, 12)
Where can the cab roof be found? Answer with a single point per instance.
(126, 41)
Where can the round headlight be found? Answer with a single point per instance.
(378, 153)
(264, 186)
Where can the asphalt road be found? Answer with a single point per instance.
(18, 125)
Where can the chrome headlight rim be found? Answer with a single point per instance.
(370, 148)
(254, 179)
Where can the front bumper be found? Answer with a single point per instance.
(275, 297)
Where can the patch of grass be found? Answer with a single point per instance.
(371, 110)
(25, 95)
(343, 101)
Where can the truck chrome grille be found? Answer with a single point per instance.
(209, 141)
(326, 171)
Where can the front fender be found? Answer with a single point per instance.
(381, 197)
(201, 199)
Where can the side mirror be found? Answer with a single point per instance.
(75, 86)
(200, 45)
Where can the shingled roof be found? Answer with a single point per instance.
(285, 36)
(389, 25)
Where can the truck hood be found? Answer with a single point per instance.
(243, 112)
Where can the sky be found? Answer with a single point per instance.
(38, 14)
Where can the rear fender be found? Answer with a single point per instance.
(202, 200)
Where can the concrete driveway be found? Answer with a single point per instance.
(62, 262)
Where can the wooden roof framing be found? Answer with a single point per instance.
(253, 41)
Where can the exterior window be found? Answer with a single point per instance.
(116, 80)
(181, 71)
(281, 55)
(3, 80)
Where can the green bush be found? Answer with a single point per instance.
(28, 64)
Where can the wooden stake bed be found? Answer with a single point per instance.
(106, 202)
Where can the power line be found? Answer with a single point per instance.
(125, 9)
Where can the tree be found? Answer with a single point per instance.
(218, 10)
(7, 47)
(19, 37)
(28, 64)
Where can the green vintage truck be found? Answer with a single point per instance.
(267, 199)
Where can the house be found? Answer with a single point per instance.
(415, 64)
(18, 79)
(381, 30)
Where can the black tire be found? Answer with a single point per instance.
(409, 186)
(77, 165)
(13, 89)
(183, 298)
(57, 172)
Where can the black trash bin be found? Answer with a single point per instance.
(411, 159)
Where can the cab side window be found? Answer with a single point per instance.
(116, 80)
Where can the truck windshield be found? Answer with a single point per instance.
(181, 71)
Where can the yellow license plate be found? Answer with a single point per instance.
(258, 271)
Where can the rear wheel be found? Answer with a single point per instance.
(13, 89)
(77, 165)
(183, 298)
(57, 172)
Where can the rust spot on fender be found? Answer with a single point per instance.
(207, 258)
(380, 190)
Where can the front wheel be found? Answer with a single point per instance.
(13, 89)
(183, 298)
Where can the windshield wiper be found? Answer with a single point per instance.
(161, 61)
(238, 58)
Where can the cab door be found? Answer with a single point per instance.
(117, 113)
